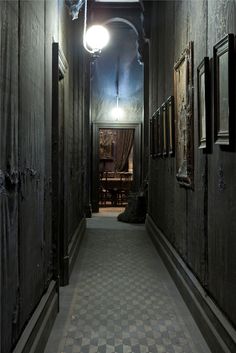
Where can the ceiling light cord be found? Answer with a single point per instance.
(85, 28)
(117, 82)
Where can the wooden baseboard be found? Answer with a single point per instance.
(75, 243)
(217, 330)
(36, 333)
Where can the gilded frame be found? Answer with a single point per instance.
(183, 93)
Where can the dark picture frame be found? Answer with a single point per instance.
(183, 93)
(203, 98)
(223, 60)
(159, 131)
(164, 129)
(151, 137)
(170, 125)
(155, 135)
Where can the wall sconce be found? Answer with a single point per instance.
(96, 37)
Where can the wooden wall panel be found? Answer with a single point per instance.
(200, 223)
(31, 155)
(9, 174)
(222, 187)
(71, 32)
(79, 155)
(197, 207)
(50, 35)
(181, 194)
(27, 31)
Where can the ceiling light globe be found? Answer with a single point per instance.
(97, 37)
(117, 113)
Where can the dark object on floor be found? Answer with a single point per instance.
(135, 211)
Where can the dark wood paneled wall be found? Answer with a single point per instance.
(27, 31)
(9, 166)
(199, 223)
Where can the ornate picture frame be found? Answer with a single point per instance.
(183, 93)
(170, 126)
(204, 98)
(223, 57)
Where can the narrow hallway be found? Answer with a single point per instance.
(121, 298)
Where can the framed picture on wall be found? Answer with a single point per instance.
(159, 132)
(203, 95)
(170, 125)
(155, 135)
(105, 144)
(223, 56)
(164, 129)
(183, 88)
(151, 137)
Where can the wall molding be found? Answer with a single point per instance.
(36, 333)
(217, 330)
(62, 62)
(75, 242)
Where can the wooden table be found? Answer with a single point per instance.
(115, 187)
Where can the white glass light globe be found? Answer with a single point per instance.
(117, 113)
(97, 37)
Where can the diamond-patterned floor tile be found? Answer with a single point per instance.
(123, 299)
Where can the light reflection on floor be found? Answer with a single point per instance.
(109, 211)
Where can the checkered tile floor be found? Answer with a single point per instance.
(121, 298)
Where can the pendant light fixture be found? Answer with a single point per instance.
(96, 37)
(117, 112)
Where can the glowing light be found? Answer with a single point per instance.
(97, 37)
(117, 113)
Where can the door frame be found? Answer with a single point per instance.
(59, 207)
(137, 157)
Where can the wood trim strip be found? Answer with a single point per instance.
(75, 242)
(217, 330)
(36, 332)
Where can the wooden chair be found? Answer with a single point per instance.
(106, 196)
(122, 195)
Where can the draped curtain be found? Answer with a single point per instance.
(124, 143)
